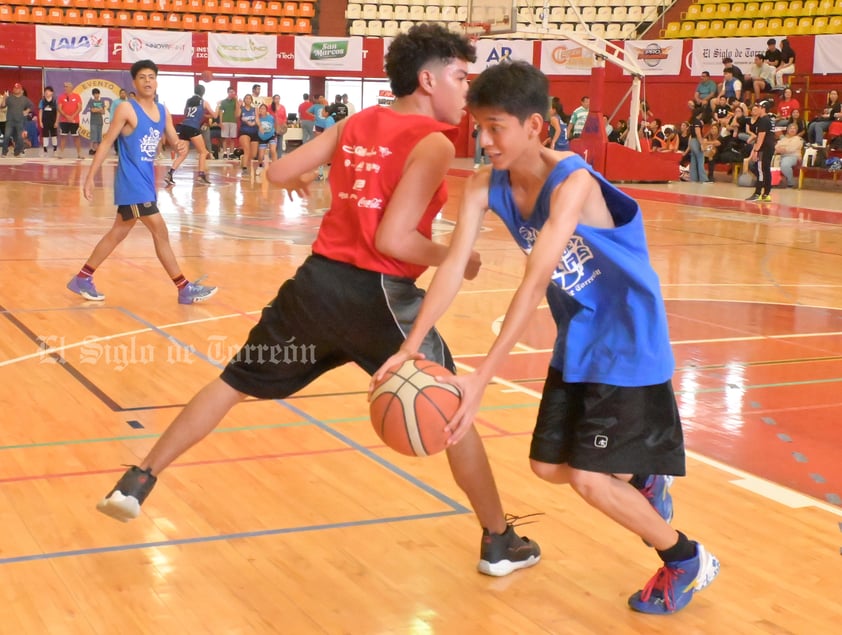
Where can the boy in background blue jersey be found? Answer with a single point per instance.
(608, 423)
(137, 127)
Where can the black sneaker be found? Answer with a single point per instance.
(169, 181)
(754, 197)
(124, 501)
(203, 179)
(501, 554)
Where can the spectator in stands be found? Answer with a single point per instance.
(789, 148)
(772, 56)
(670, 143)
(739, 126)
(722, 114)
(306, 120)
(705, 90)
(762, 76)
(620, 132)
(48, 119)
(578, 118)
(732, 88)
(280, 114)
(787, 103)
(787, 63)
(818, 127)
(684, 150)
(728, 64)
(351, 108)
(229, 115)
(338, 110)
(656, 135)
(697, 157)
(796, 118)
(18, 106)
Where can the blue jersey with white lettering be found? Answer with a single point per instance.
(135, 179)
(194, 112)
(604, 296)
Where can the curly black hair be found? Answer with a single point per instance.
(420, 45)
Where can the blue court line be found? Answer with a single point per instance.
(235, 536)
(455, 505)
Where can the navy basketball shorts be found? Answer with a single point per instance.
(609, 429)
(128, 212)
(330, 313)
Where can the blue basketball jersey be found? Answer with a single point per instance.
(604, 296)
(135, 179)
(194, 112)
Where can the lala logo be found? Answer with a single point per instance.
(75, 43)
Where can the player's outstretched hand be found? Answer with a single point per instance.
(394, 361)
(299, 185)
(471, 387)
(474, 263)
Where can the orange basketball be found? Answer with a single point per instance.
(409, 408)
(207, 76)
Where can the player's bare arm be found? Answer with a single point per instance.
(566, 205)
(124, 118)
(296, 170)
(448, 276)
(425, 169)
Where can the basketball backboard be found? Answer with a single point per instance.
(491, 17)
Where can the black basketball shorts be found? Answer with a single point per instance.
(128, 212)
(330, 313)
(609, 429)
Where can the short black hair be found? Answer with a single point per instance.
(727, 60)
(142, 64)
(422, 44)
(515, 87)
(95, 91)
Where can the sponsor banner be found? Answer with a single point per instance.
(108, 82)
(826, 58)
(231, 50)
(328, 53)
(491, 52)
(656, 57)
(67, 43)
(707, 54)
(162, 47)
(565, 57)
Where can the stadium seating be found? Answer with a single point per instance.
(201, 15)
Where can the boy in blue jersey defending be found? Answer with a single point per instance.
(608, 423)
(137, 126)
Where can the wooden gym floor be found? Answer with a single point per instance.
(293, 518)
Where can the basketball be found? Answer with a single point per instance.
(207, 76)
(409, 408)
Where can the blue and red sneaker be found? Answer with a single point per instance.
(674, 584)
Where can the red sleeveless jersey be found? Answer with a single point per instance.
(366, 167)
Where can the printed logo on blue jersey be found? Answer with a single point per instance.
(570, 272)
(149, 144)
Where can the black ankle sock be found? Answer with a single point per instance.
(684, 549)
(638, 481)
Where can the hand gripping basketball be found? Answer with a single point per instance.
(410, 410)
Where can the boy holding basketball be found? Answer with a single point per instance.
(354, 299)
(608, 422)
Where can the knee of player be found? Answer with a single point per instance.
(550, 472)
(588, 485)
